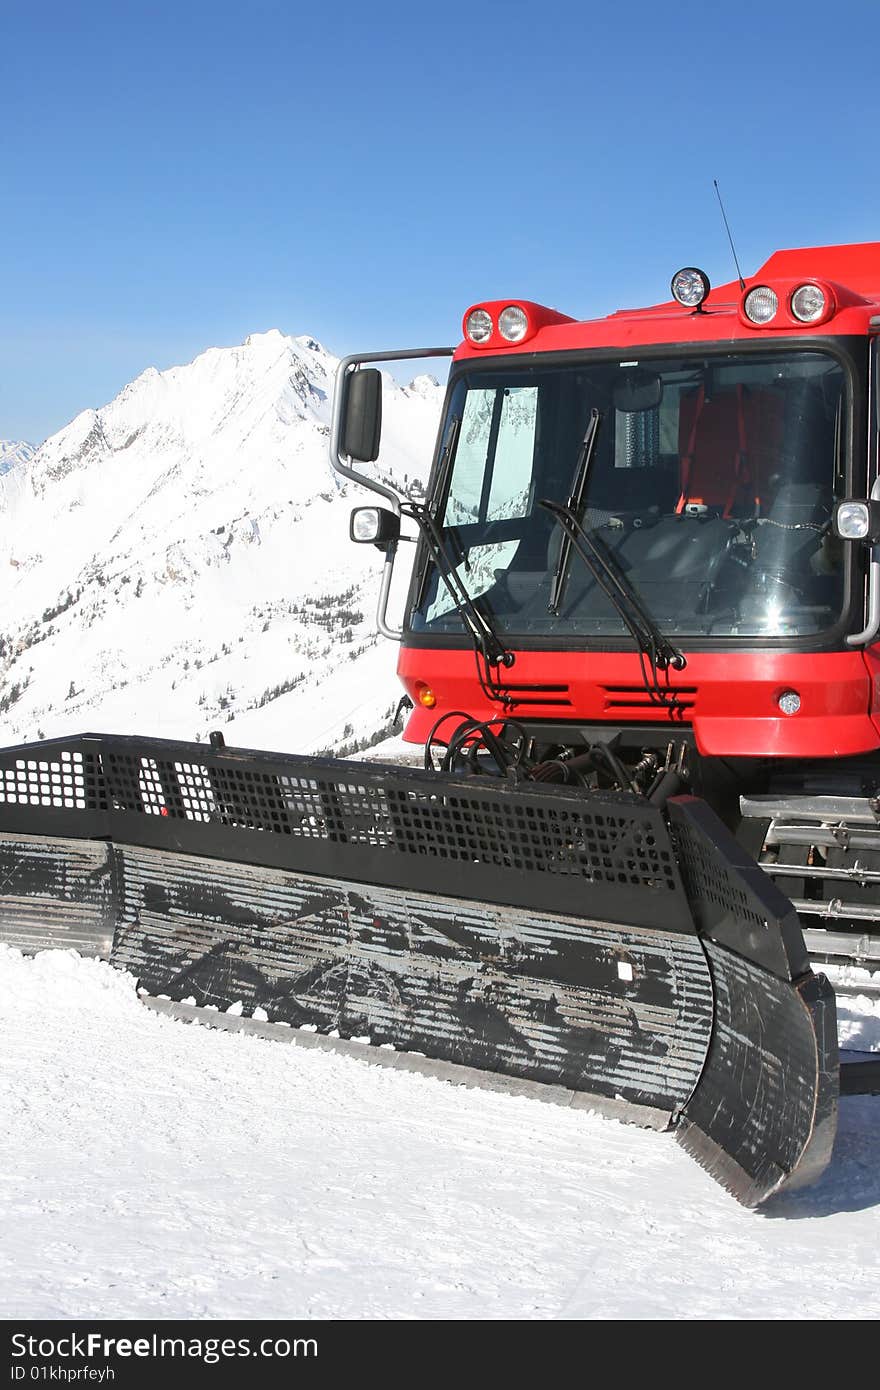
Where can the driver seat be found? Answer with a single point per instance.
(713, 449)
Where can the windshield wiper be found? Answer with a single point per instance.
(473, 614)
(625, 599)
(575, 506)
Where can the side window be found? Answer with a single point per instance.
(511, 486)
(466, 485)
(492, 474)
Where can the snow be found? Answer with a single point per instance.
(153, 1169)
(858, 1029)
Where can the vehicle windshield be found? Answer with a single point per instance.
(711, 485)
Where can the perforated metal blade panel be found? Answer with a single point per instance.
(533, 931)
(523, 845)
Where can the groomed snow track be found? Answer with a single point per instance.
(592, 945)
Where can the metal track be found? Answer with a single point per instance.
(824, 853)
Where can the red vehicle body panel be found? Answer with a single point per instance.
(729, 698)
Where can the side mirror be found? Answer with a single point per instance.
(361, 427)
(857, 520)
(374, 526)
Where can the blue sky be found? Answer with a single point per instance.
(176, 176)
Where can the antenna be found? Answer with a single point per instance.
(742, 283)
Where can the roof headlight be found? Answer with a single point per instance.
(690, 286)
(761, 304)
(478, 326)
(808, 303)
(513, 323)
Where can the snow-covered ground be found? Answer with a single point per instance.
(151, 1169)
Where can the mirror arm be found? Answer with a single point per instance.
(341, 462)
(384, 594)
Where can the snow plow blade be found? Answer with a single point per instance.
(632, 957)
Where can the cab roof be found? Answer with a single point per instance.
(850, 272)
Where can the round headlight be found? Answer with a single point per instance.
(761, 304)
(690, 286)
(512, 323)
(478, 326)
(808, 303)
(365, 524)
(789, 702)
(852, 520)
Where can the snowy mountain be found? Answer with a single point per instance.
(13, 452)
(179, 560)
